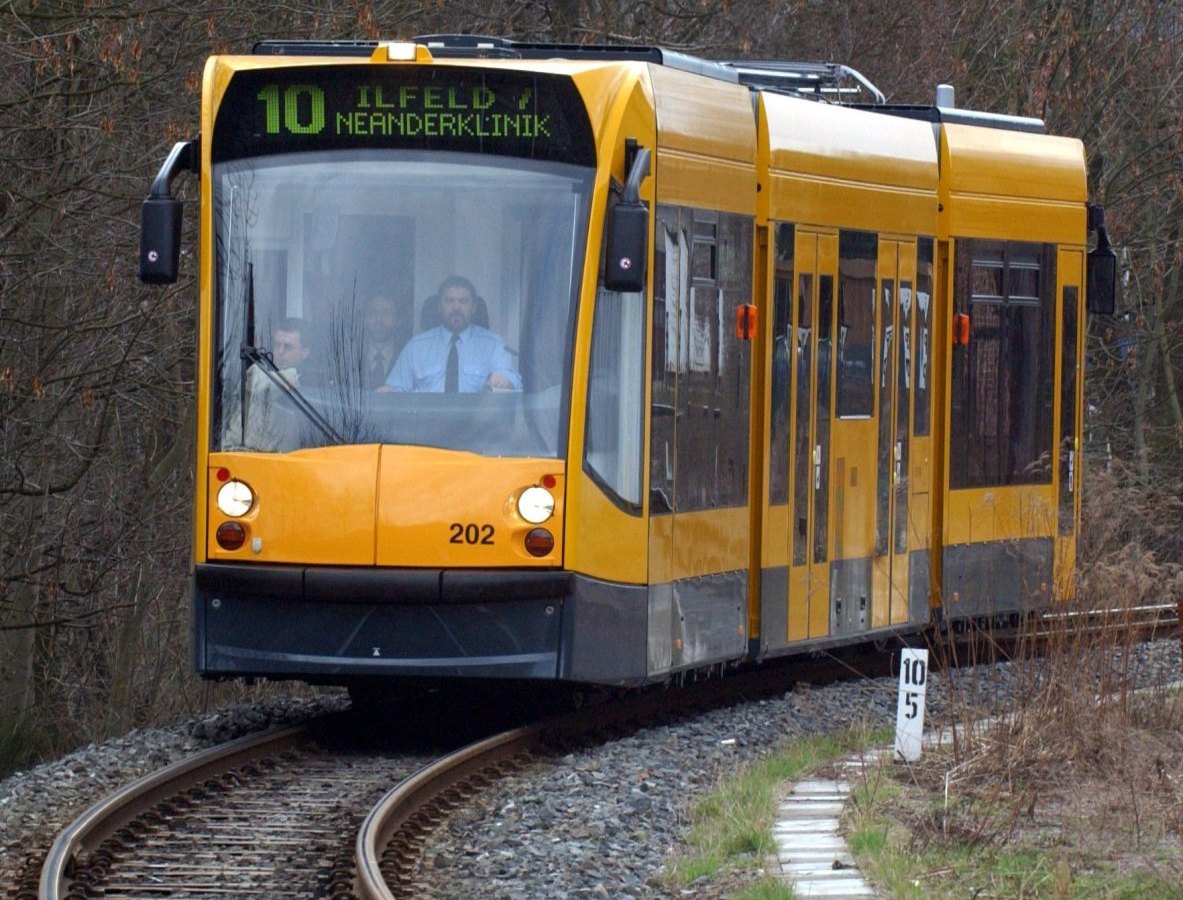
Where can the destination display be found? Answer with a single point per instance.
(307, 108)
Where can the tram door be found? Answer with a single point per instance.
(897, 277)
(816, 266)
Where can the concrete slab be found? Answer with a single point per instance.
(809, 841)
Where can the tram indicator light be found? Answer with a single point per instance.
(231, 535)
(539, 542)
(745, 322)
(960, 330)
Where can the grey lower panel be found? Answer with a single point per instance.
(774, 609)
(707, 620)
(850, 595)
(623, 634)
(575, 628)
(604, 631)
(919, 585)
(998, 577)
(241, 635)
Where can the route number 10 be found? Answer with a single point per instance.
(303, 108)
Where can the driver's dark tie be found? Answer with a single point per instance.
(452, 373)
(378, 371)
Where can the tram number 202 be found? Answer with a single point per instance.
(470, 533)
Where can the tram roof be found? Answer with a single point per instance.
(831, 82)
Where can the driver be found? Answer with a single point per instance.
(456, 355)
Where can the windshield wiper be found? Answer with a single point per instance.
(248, 352)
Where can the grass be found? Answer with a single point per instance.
(1076, 792)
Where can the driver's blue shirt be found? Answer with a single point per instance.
(422, 364)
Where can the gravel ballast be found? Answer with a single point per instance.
(593, 823)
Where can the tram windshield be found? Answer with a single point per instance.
(342, 275)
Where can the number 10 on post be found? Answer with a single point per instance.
(909, 717)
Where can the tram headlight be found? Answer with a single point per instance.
(536, 505)
(235, 498)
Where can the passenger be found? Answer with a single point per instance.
(456, 355)
(379, 340)
(270, 424)
(289, 348)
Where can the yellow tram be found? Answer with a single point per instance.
(606, 364)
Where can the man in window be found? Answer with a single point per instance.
(456, 356)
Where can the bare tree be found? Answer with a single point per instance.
(96, 372)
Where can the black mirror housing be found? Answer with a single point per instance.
(1101, 267)
(160, 240)
(1102, 280)
(160, 216)
(628, 248)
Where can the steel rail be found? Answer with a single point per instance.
(114, 811)
(1166, 612)
(405, 801)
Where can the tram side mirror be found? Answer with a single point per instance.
(1102, 281)
(160, 240)
(1101, 269)
(160, 217)
(628, 248)
(627, 238)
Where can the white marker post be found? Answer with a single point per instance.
(909, 716)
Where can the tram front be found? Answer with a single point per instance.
(389, 291)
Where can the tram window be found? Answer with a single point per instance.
(987, 280)
(1069, 458)
(700, 375)
(668, 252)
(615, 388)
(778, 474)
(302, 235)
(802, 456)
(857, 255)
(924, 275)
(698, 437)
(1003, 380)
(821, 494)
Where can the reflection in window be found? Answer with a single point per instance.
(701, 370)
(821, 462)
(924, 276)
(1069, 458)
(858, 252)
(903, 406)
(778, 438)
(885, 458)
(802, 451)
(614, 394)
(1002, 391)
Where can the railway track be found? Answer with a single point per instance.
(1013, 637)
(392, 836)
(283, 815)
(272, 816)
